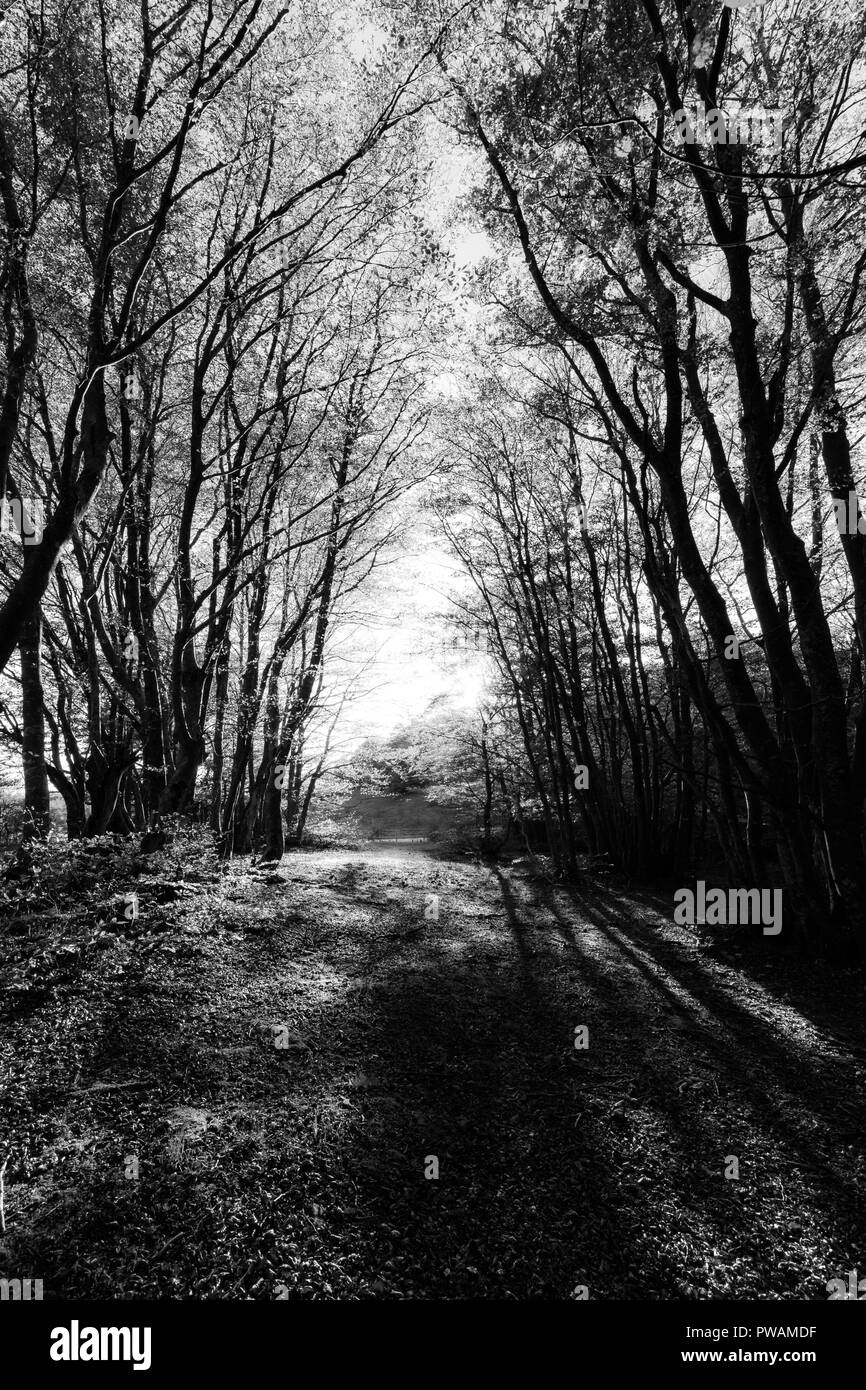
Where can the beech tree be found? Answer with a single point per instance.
(702, 292)
(102, 158)
(167, 395)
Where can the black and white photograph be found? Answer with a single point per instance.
(433, 662)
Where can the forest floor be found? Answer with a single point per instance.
(241, 1093)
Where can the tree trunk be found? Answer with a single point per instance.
(37, 818)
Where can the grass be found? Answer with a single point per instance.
(238, 1095)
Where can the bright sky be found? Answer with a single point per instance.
(407, 625)
(415, 662)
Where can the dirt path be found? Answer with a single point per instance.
(275, 1074)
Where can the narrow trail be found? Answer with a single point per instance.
(306, 1043)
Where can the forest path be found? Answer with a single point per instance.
(305, 1043)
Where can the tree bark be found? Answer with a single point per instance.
(37, 818)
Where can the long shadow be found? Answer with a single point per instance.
(499, 1097)
(752, 1037)
(789, 1063)
(468, 1059)
(838, 1196)
(493, 1095)
(823, 993)
(619, 1020)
